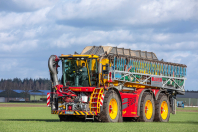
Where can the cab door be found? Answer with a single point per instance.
(93, 71)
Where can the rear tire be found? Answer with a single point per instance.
(162, 109)
(147, 108)
(111, 107)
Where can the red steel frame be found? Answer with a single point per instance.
(130, 101)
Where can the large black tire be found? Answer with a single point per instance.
(105, 114)
(158, 118)
(143, 118)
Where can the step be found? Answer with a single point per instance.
(93, 107)
(97, 88)
(90, 118)
(93, 102)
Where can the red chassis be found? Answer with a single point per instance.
(130, 101)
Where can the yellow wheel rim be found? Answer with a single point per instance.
(113, 108)
(164, 110)
(148, 109)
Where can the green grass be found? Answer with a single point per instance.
(188, 108)
(25, 103)
(39, 119)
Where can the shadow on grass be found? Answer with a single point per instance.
(46, 120)
(184, 122)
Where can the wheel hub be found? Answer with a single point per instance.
(164, 110)
(113, 108)
(148, 109)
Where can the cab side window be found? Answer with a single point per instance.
(93, 71)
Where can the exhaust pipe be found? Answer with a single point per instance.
(52, 65)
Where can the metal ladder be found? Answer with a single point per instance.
(95, 99)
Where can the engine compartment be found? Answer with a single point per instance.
(69, 100)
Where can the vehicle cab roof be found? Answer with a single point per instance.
(78, 56)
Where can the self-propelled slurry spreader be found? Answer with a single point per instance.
(110, 84)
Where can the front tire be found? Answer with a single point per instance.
(111, 107)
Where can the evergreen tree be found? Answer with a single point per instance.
(25, 84)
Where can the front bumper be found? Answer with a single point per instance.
(65, 112)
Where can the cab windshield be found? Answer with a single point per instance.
(79, 72)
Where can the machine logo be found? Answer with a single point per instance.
(124, 112)
(156, 81)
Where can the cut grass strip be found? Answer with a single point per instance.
(39, 119)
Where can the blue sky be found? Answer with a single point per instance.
(31, 31)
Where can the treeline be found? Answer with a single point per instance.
(25, 84)
(192, 91)
(32, 84)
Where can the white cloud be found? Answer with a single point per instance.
(91, 37)
(160, 37)
(127, 12)
(23, 46)
(84, 9)
(22, 20)
(175, 57)
(33, 4)
(166, 10)
(21, 6)
(6, 37)
(8, 64)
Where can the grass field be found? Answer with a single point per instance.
(26, 103)
(188, 108)
(39, 119)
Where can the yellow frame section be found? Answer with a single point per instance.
(98, 99)
(89, 56)
(105, 61)
(88, 73)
